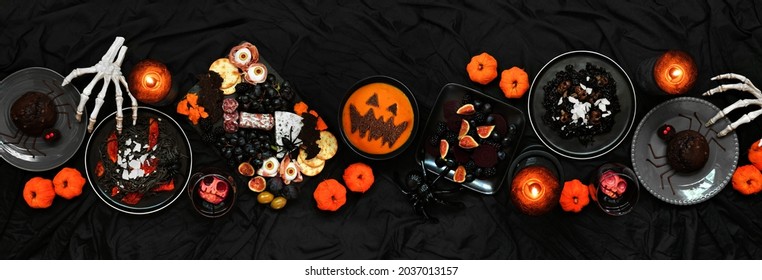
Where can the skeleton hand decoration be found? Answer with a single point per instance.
(108, 69)
(746, 86)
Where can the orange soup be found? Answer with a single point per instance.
(378, 118)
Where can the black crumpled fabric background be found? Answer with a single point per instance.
(323, 47)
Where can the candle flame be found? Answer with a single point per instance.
(534, 191)
(150, 81)
(675, 73)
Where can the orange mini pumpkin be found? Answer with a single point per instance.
(68, 183)
(574, 196)
(330, 195)
(755, 155)
(482, 69)
(39, 193)
(514, 82)
(358, 177)
(747, 180)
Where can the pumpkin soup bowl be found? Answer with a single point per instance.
(378, 117)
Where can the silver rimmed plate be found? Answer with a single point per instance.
(31, 152)
(602, 143)
(689, 188)
(152, 201)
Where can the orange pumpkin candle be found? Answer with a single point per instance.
(535, 190)
(150, 82)
(675, 72)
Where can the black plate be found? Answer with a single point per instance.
(455, 92)
(603, 143)
(390, 81)
(152, 203)
(41, 80)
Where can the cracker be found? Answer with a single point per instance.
(310, 170)
(229, 73)
(314, 162)
(327, 144)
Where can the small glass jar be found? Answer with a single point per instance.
(616, 188)
(212, 192)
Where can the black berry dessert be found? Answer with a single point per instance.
(471, 140)
(581, 103)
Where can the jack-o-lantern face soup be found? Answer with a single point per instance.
(378, 118)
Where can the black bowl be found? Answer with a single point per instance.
(390, 81)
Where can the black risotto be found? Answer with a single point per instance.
(581, 103)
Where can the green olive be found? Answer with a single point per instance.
(265, 197)
(278, 203)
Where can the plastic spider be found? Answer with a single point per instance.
(38, 118)
(687, 150)
(422, 193)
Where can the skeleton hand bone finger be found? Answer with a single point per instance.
(744, 119)
(738, 104)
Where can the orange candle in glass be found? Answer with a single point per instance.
(150, 81)
(535, 190)
(675, 72)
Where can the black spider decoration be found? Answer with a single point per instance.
(422, 193)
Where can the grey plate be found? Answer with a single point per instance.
(693, 187)
(149, 204)
(41, 80)
(603, 143)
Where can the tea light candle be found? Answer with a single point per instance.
(535, 190)
(150, 81)
(675, 72)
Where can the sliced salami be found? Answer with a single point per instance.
(229, 105)
(256, 121)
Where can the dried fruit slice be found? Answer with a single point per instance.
(464, 127)
(484, 131)
(444, 147)
(466, 110)
(460, 174)
(246, 169)
(257, 184)
(467, 142)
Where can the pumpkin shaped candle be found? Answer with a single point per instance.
(150, 81)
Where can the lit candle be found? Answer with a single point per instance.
(675, 72)
(535, 190)
(150, 82)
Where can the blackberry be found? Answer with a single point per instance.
(243, 88)
(451, 137)
(206, 125)
(440, 129)
(208, 138)
(480, 118)
(489, 172)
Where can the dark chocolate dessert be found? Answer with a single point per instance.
(687, 151)
(33, 112)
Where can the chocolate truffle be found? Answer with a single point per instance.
(687, 151)
(33, 112)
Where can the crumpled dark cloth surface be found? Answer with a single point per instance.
(323, 47)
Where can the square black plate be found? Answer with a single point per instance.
(455, 92)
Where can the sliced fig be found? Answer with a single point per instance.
(257, 184)
(467, 142)
(466, 110)
(246, 169)
(444, 147)
(460, 174)
(484, 131)
(464, 127)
